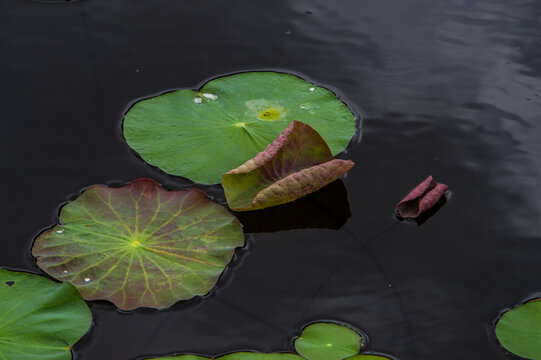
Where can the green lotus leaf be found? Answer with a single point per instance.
(259, 356)
(328, 341)
(39, 319)
(202, 134)
(297, 163)
(519, 330)
(183, 357)
(140, 245)
(368, 357)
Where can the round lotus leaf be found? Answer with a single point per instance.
(328, 341)
(259, 356)
(203, 134)
(140, 245)
(519, 330)
(39, 319)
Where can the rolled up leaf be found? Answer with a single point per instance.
(297, 163)
(422, 198)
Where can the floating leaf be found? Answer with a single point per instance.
(202, 134)
(422, 198)
(39, 319)
(297, 163)
(519, 330)
(328, 341)
(140, 245)
(259, 356)
(183, 357)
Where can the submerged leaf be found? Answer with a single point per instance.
(422, 198)
(140, 245)
(202, 134)
(328, 341)
(519, 330)
(39, 319)
(298, 162)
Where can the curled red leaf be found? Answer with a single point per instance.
(422, 198)
(297, 163)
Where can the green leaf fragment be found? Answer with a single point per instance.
(183, 357)
(298, 162)
(140, 245)
(202, 134)
(39, 319)
(259, 356)
(328, 341)
(519, 330)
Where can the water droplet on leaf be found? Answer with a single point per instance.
(87, 279)
(198, 100)
(211, 97)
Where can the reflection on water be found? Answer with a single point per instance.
(446, 87)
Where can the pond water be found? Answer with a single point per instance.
(448, 88)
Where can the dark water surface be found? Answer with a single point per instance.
(448, 88)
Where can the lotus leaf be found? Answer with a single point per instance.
(39, 319)
(183, 357)
(202, 134)
(259, 356)
(328, 341)
(519, 330)
(140, 245)
(297, 163)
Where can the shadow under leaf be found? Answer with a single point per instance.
(327, 208)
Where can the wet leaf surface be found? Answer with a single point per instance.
(39, 319)
(298, 162)
(140, 245)
(203, 134)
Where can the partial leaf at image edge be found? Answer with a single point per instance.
(328, 341)
(297, 163)
(39, 319)
(519, 330)
(140, 245)
(368, 357)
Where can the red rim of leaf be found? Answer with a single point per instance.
(140, 245)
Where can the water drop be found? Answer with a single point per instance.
(312, 88)
(59, 231)
(288, 32)
(303, 106)
(211, 97)
(87, 279)
(65, 271)
(198, 100)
